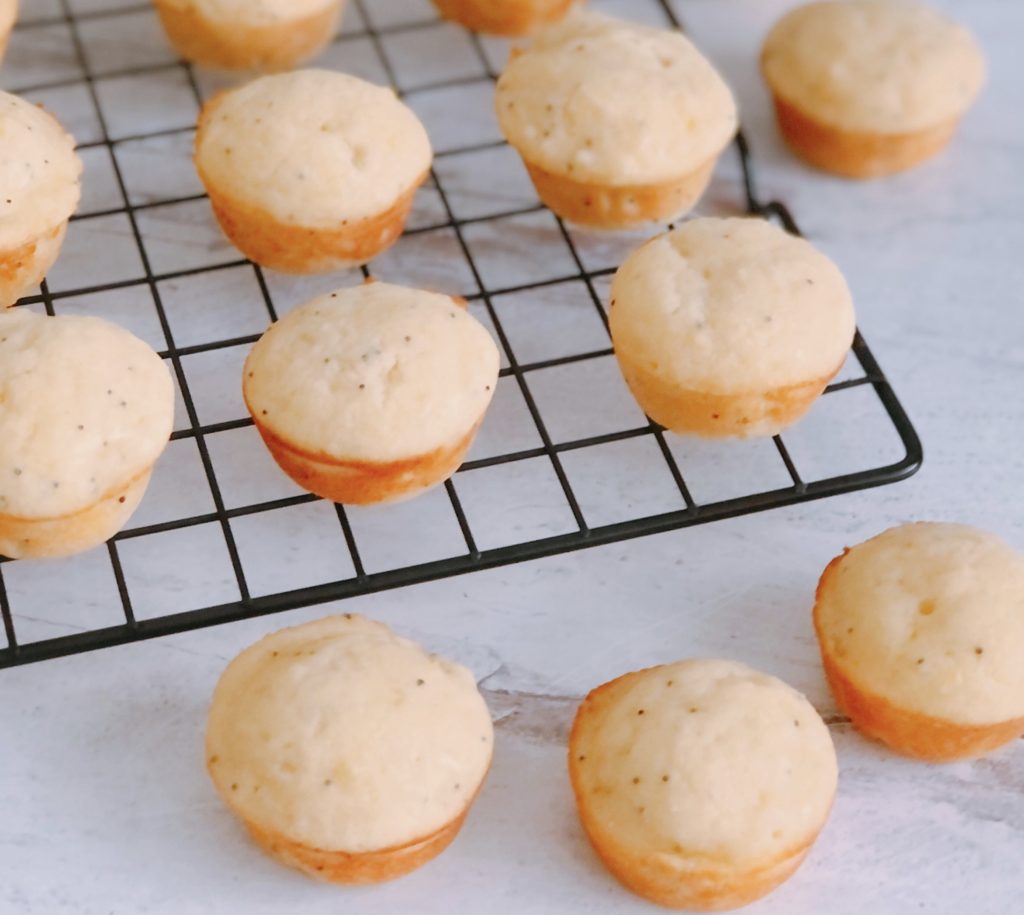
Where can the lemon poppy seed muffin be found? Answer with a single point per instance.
(921, 631)
(8, 15)
(870, 87)
(373, 393)
(39, 190)
(701, 784)
(311, 171)
(729, 327)
(504, 17)
(85, 411)
(249, 34)
(348, 752)
(618, 124)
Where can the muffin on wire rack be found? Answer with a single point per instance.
(39, 190)
(729, 327)
(311, 171)
(505, 17)
(249, 34)
(618, 124)
(372, 393)
(85, 411)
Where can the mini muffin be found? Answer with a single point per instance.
(504, 17)
(373, 393)
(703, 784)
(311, 171)
(729, 327)
(618, 124)
(865, 88)
(249, 34)
(39, 190)
(85, 411)
(8, 14)
(349, 753)
(921, 632)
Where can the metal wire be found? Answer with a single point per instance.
(363, 582)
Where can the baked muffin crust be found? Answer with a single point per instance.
(600, 100)
(85, 408)
(313, 148)
(374, 373)
(39, 172)
(878, 66)
(930, 617)
(732, 305)
(340, 735)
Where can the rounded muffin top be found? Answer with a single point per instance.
(312, 148)
(931, 617)
(372, 373)
(39, 172)
(252, 12)
(85, 407)
(703, 758)
(878, 66)
(342, 736)
(600, 100)
(730, 306)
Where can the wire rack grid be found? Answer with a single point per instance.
(565, 460)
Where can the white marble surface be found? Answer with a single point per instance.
(104, 806)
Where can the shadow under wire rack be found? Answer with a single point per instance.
(565, 459)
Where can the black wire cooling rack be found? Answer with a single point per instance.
(564, 486)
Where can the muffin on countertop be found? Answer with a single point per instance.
(921, 632)
(618, 124)
(348, 752)
(311, 171)
(729, 327)
(39, 190)
(249, 34)
(701, 784)
(372, 393)
(870, 87)
(504, 17)
(8, 16)
(85, 411)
